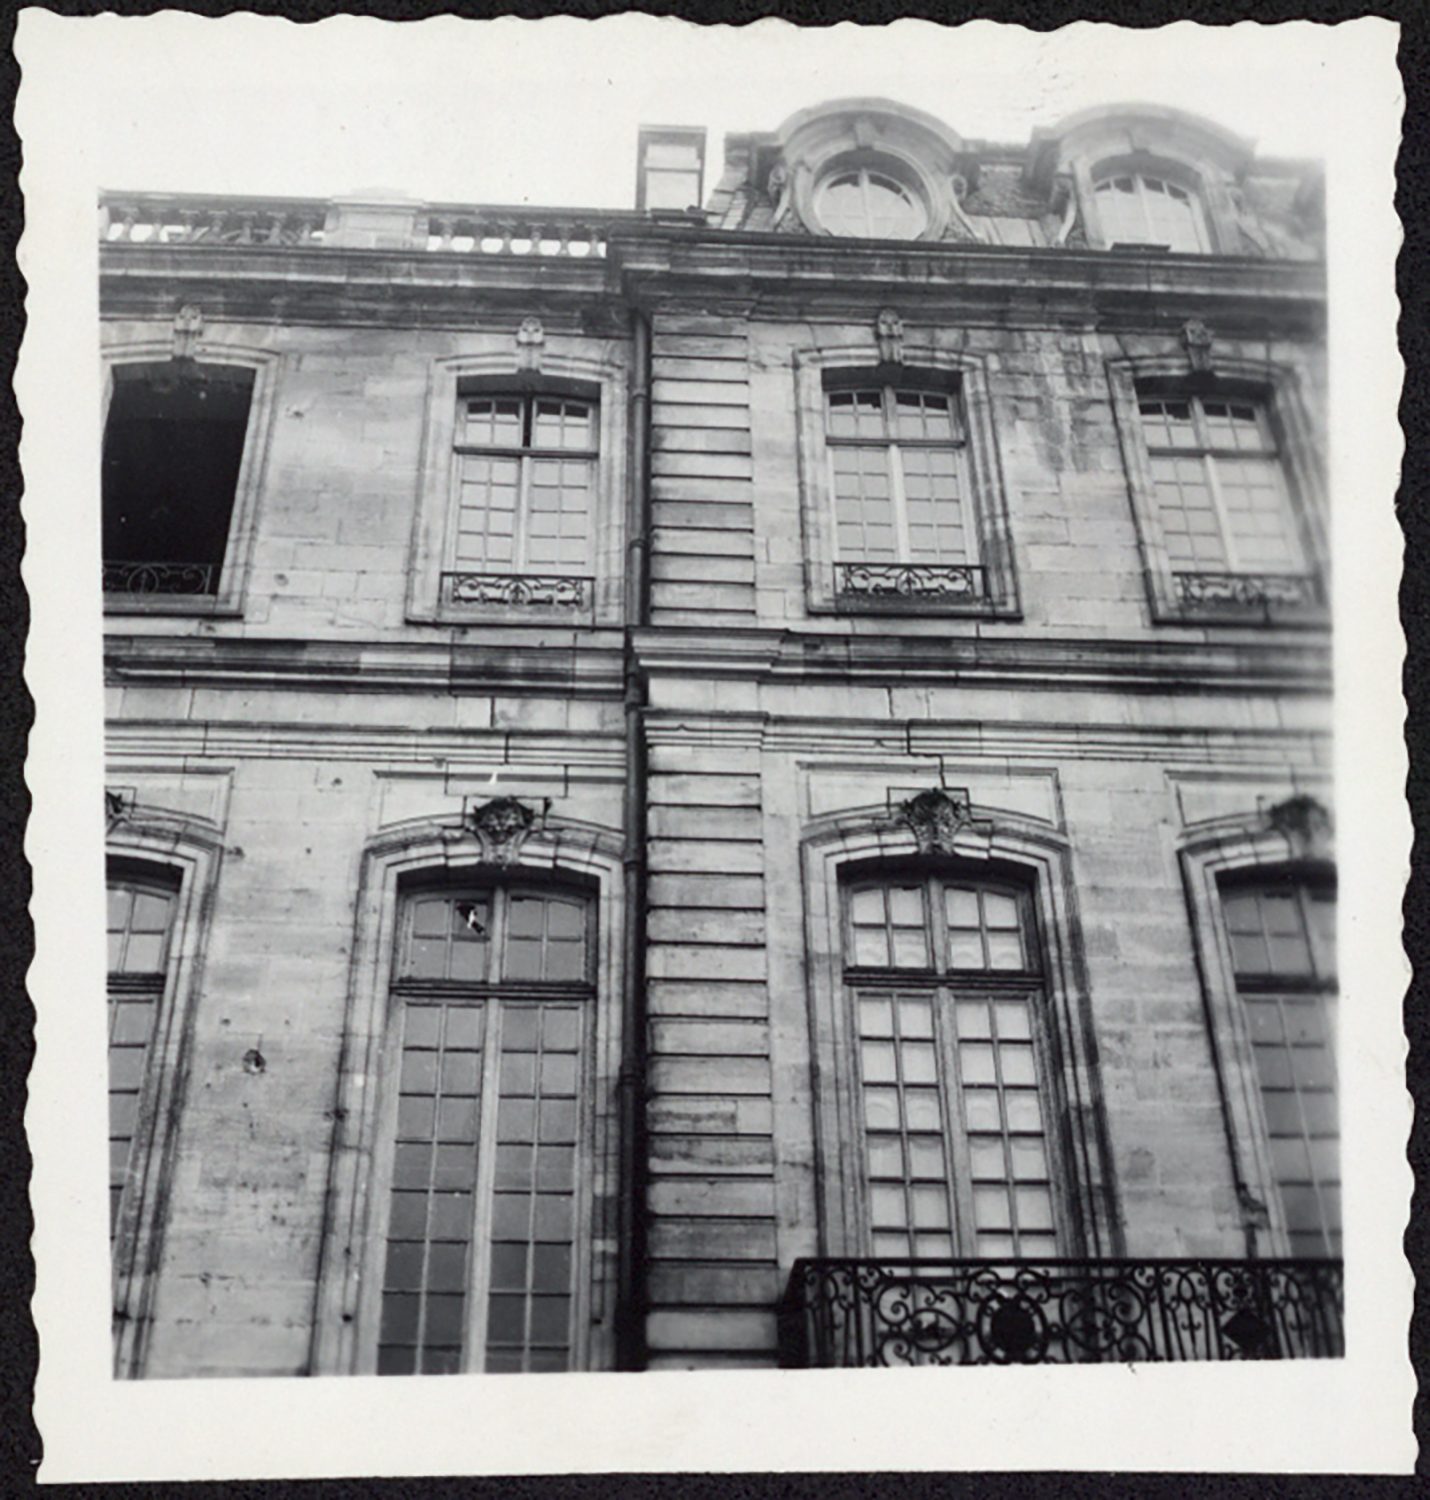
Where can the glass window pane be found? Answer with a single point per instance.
(1024, 1111)
(991, 1209)
(881, 1109)
(921, 1109)
(976, 1063)
(887, 1206)
(878, 1060)
(876, 1018)
(886, 1156)
(915, 1018)
(917, 1059)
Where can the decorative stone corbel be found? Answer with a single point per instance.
(957, 192)
(502, 826)
(188, 330)
(889, 331)
(1305, 824)
(1064, 200)
(935, 818)
(780, 187)
(1197, 341)
(530, 339)
(118, 804)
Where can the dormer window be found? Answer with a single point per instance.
(1144, 210)
(866, 203)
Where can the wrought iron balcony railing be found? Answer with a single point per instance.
(887, 1312)
(1257, 593)
(519, 590)
(141, 578)
(909, 586)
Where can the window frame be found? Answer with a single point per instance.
(946, 986)
(1003, 849)
(182, 853)
(1141, 171)
(1228, 852)
(1277, 393)
(236, 568)
(579, 369)
(492, 994)
(964, 378)
(422, 852)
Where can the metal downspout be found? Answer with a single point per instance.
(631, 1225)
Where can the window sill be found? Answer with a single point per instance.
(190, 605)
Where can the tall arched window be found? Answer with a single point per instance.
(944, 977)
(142, 904)
(1281, 931)
(484, 1218)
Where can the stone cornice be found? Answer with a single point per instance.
(773, 274)
(1027, 663)
(590, 669)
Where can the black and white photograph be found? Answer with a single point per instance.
(717, 723)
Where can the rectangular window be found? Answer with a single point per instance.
(903, 522)
(524, 474)
(1282, 937)
(174, 442)
(482, 1246)
(956, 1144)
(1222, 507)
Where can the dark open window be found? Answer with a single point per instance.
(173, 448)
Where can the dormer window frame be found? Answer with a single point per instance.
(1149, 174)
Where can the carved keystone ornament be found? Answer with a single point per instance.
(935, 818)
(502, 826)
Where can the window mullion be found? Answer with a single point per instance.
(1228, 537)
(959, 1158)
(899, 496)
(483, 1195)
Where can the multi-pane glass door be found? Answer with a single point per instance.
(942, 974)
(484, 1209)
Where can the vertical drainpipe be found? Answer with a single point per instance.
(631, 1226)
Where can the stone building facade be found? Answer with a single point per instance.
(663, 763)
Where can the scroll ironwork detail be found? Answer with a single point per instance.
(521, 590)
(909, 585)
(857, 1312)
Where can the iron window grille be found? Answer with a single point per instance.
(959, 1153)
(999, 1312)
(483, 1239)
